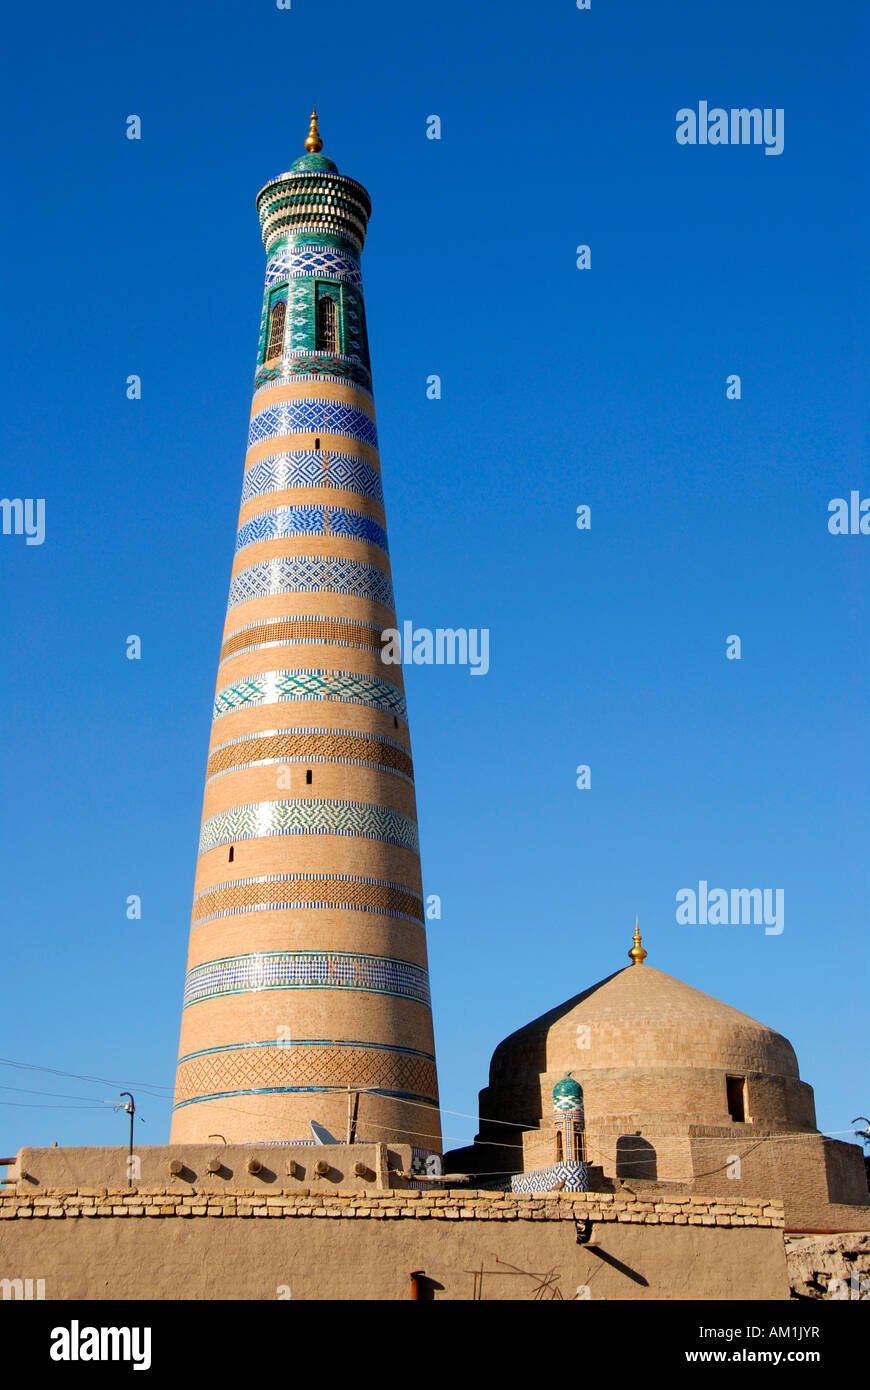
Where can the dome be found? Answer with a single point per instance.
(641, 1042)
(641, 1017)
(567, 1094)
(311, 163)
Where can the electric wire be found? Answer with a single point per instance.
(94, 1102)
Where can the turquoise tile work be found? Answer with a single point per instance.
(275, 687)
(306, 970)
(309, 817)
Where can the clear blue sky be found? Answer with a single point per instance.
(560, 387)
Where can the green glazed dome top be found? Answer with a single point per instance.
(312, 163)
(567, 1089)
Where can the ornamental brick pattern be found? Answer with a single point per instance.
(305, 1065)
(308, 917)
(288, 890)
(289, 745)
(303, 630)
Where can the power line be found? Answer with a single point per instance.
(79, 1076)
(526, 1126)
(35, 1105)
(27, 1091)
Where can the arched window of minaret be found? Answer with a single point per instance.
(276, 329)
(231, 854)
(327, 325)
(559, 1154)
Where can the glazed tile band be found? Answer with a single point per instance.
(323, 261)
(275, 687)
(262, 819)
(341, 632)
(304, 468)
(307, 574)
(271, 970)
(309, 745)
(311, 521)
(309, 1064)
(274, 891)
(328, 203)
(312, 416)
(294, 367)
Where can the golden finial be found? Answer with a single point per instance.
(313, 142)
(637, 955)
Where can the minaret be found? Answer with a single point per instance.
(307, 971)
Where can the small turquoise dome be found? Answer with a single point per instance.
(567, 1094)
(313, 163)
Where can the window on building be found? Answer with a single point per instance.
(635, 1157)
(559, 1153)
(308, 778)
(231, 854)
(276, 329)
(736, 1086)
(327, 325)
(579, 1141)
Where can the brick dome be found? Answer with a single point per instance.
(677, 1088)
(642, 1017)
(642, 1042)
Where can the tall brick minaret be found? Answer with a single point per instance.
(307, 961)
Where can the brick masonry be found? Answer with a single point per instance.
(124, 1243)
(479, 1205)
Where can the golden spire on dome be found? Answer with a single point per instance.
(637, 955)
(313, 142)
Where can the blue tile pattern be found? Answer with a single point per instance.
(321, 261)
(311, 521)
(300, 469)
(275, 687)
(309, 817)
(306, 1090)
(574, 1176)
(306, 970)
(307, 574)
(311, 416)
(311, 1042)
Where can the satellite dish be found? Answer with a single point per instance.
(321, 1135)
